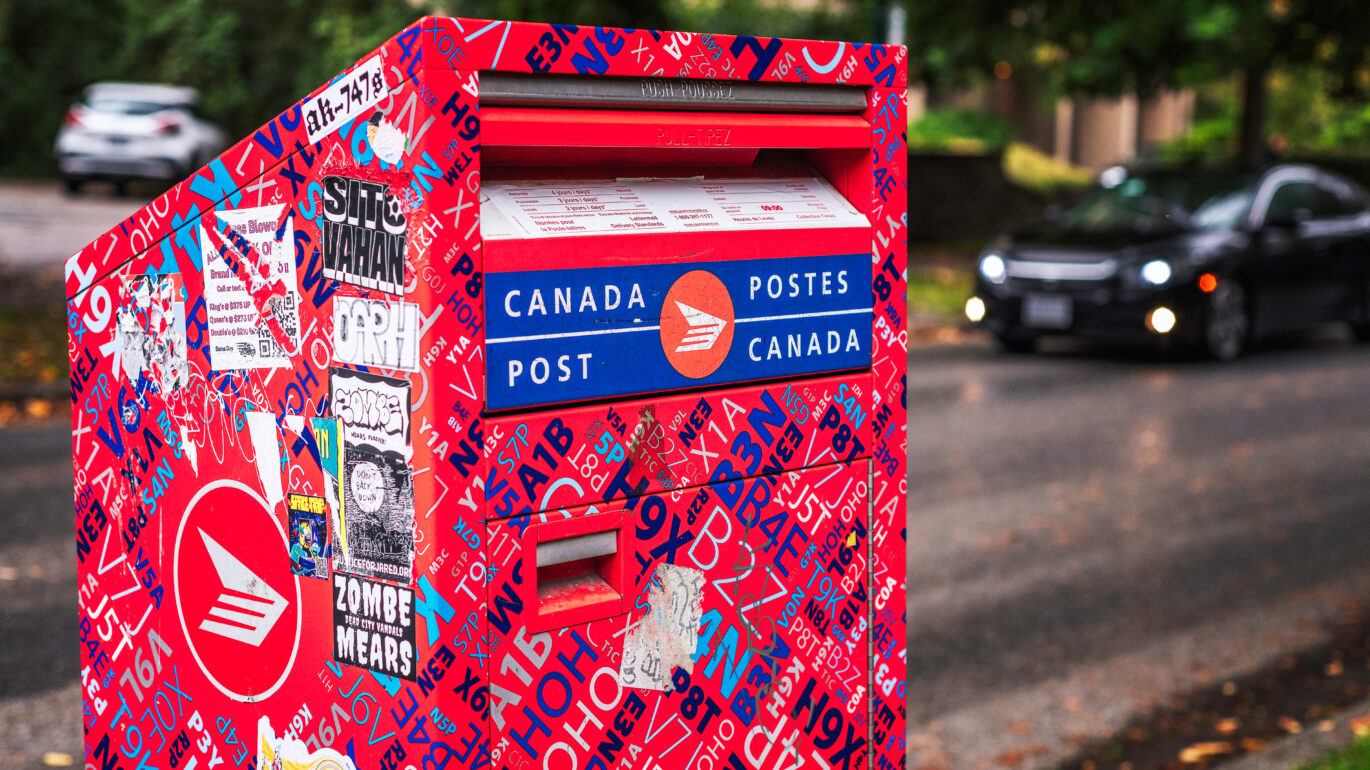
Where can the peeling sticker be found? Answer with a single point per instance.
(289, 753)
(667, 635)
(386, 139)
(250, 293)
(262, 427)
(150, 335)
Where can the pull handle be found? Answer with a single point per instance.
(581, 569)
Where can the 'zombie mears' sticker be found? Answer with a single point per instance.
(377, 483)
(373, 626)
(363, 230)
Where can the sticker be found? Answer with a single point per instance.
(373, 626)
(150, 332)
(386, 139)
(309, 546)
(375, 408)
(348, 96)
(377, 483)
(290, 753)
(668, 634)
(373, 332)
(261, 426)
(328, 434)
(238, 337)
(363, 230)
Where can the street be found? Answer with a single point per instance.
(1090, 533)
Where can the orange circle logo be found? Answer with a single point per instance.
(697, 324)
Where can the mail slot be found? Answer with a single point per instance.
(527, 396)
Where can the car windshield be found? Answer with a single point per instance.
(1224, 211)
(119, 106)
(1164, 201)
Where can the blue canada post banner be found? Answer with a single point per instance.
(569, 335)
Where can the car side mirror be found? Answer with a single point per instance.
(1288, 220)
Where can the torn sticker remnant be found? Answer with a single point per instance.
(667, 635)
(150, 332)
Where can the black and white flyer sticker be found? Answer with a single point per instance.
(376, 333)
(364, 234)
(377, 483)
(373, 626)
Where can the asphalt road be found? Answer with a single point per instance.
(1089, 534)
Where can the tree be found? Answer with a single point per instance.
(1144, 45)
(1093, 48)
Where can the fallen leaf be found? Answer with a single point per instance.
(1289, 725)
(1015, 757)
(57, 759)
(1333, 669)
(1227, 726)
(1326, 726)
(1253, 744)
(1360, 725)
(1201, 751)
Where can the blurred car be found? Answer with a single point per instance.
(1210, 260)
(123, 131)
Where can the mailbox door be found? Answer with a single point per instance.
(742, 634)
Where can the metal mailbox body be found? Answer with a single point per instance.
(335, 506)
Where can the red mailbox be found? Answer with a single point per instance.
(528, 396)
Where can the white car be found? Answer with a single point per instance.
(123, 131)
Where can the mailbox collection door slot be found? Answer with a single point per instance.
(580, 570)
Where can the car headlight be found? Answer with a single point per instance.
(1157, 272)
(993, 268)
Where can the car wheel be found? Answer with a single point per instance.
(1227, 323)
(1017, 343)
(73, 184)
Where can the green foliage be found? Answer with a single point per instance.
(1353, 757)
(250, 59)
(964, 131)
(1303, 110)
(1034, 170)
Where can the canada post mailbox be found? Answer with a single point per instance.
(527, 396)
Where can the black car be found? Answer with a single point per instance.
(1210, 260)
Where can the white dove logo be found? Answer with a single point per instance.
(248, 608)
(704, 329)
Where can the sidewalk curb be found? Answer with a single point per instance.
(1307, 746)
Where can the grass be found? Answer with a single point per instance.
(1353, 757)
(938, 293)
(33, 342)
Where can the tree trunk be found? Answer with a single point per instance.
(1252, 152)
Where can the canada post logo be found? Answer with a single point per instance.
(238, 603)
(697, 323)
